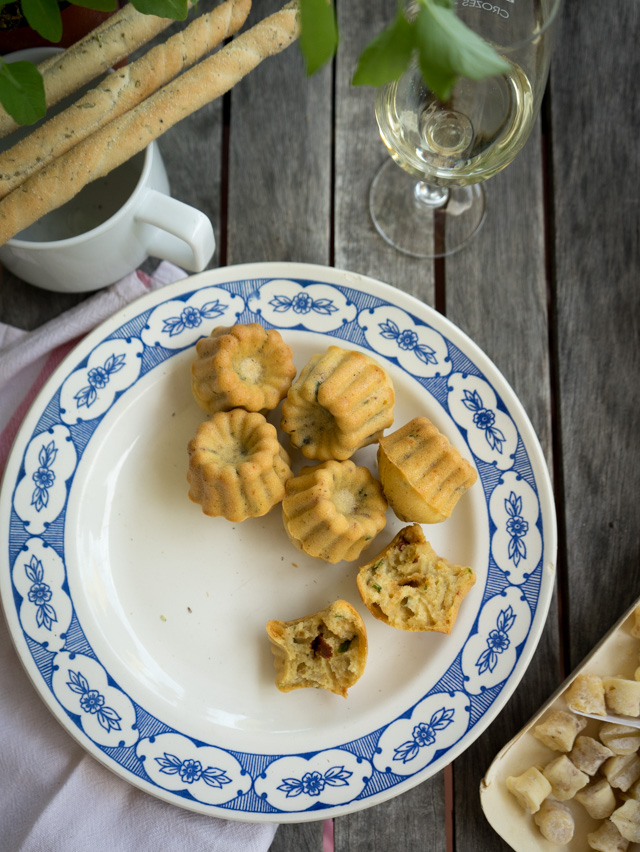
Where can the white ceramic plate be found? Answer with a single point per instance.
(142, 622)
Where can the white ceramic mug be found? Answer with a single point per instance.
(110, 227)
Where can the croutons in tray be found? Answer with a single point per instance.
(569, 780)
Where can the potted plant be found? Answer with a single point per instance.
(69, 20)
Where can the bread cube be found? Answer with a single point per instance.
(607, 838)
(588, 754)
(598, 799)
(627, 820)
(633, 792)
(530, 789)
(559, 730)
(635, 629)
(555, 822)
(565, 778)
(621, 739)
(622, 695)
(622, 770)
(586, 695)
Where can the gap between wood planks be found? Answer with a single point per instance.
(548, 206)
(224, 179)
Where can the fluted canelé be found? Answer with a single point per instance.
(341, 401)
(242, 366)
(333, 510)
(237, 468)
(423, 475)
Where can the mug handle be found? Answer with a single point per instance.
(182, 234)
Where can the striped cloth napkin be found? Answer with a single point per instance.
(54, 797)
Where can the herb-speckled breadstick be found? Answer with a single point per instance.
(119, 92)
(120, 139)
(99, 50)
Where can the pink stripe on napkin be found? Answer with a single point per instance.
(327, 835)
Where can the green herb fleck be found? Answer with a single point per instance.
(344, 646)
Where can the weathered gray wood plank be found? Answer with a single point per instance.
(496, 291)
(278, 205)
(280, 160)
(300, 837)
(29, 307)
(596, 169)
(398, 824)
(359, 154)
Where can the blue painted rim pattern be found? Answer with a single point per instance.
(243, 785)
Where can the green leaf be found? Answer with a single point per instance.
(22, 91)
(448, 49)
(177, 10)
(98, 5)
(318, 33)
(386, 57)
(43, 16)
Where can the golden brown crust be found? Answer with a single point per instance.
(325, 650)
(242, 366)
(342, 400)
(237, 468)
(333, 510)
(410, 587)
(422, 474)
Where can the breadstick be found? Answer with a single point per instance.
(101, 49)
(120, 139)
(120, 92)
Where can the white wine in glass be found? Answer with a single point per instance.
(435, 202)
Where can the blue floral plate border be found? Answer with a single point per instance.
(517, 569)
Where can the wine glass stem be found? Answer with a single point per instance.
(430, 195)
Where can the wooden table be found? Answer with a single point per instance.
(549, 289)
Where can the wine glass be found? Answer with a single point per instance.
(434, 203)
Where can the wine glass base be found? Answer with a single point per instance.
(418, 229)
